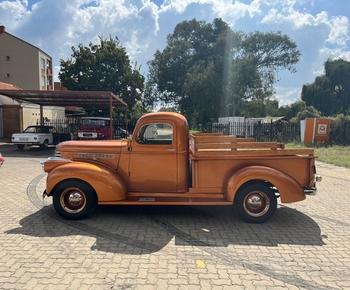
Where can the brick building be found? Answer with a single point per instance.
(10, 113)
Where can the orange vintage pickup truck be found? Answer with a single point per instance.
(163, 164)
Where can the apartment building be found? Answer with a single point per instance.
(23, 64)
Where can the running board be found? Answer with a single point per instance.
(167, 201)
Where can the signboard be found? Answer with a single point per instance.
(316, 131)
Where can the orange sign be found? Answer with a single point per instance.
(316, 131)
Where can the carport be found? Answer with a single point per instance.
(67, 98)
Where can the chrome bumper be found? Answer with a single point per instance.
(311, 189)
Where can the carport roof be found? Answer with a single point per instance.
(66, 98)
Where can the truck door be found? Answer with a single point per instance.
(153, 159)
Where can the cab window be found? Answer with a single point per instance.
(155, 133)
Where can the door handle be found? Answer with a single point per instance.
(171, 149)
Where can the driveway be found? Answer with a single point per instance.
(305, 245)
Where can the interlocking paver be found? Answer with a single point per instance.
(305, 246)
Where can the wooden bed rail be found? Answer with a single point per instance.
(218, 144)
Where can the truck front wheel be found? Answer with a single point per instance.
(255, 202)
(74, 199)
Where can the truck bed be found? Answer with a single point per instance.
(211, 144)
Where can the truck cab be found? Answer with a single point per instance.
(159, 144)
(95, 128)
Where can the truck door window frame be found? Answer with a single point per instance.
(155, 134)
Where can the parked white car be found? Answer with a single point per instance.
(39, 135)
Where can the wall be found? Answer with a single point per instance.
(31, 114)
(11, 120)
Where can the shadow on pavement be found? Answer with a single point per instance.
(139, 230)
(11, 150)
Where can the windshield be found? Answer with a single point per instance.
(91, 122)
(35, 129)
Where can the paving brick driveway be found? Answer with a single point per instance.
(305, 246)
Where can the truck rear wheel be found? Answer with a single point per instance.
(74, 199)
(255, 202)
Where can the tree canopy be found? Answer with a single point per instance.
(207, 70)
(102, 67)
(330, 93)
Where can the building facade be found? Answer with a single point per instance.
(23, 64)
(15, 116)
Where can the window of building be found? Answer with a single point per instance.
(8, 76)
(43, 81)
(43, 64)
(7, 57)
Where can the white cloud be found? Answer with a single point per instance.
(296, 18)
(287, 95)
(12, 12)
(339, 31)
(236, 11)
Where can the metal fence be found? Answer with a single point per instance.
(73, 126)
(265, 132)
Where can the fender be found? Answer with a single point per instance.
(107, 184)
(288, 188)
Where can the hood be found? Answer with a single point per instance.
(98, 146)
(106, 151)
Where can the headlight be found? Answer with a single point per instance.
(42, 164)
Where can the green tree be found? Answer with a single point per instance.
(137, 111)
(102, 67)
(308, 112)
(206, 69)
(269, 53)
(258, 108)
(330, 93)
(291, 111)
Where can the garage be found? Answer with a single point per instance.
(61, 99)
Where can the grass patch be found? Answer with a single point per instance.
(336, 155)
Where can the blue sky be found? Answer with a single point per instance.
(319, 27)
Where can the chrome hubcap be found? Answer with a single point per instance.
(73, 200)
(256, 204)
